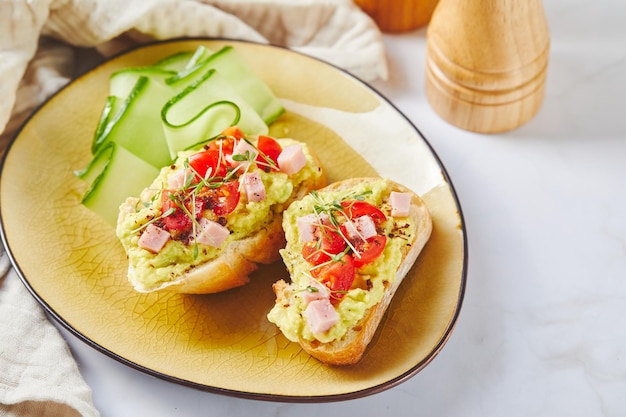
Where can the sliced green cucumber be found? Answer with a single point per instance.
(94, 168)
(208, 123)
(154, 112)
(111, 183)
(188, 112)
(232, 67)
(111, 107)
(195, 61)
(176, 62)
(122, 82)
(256, 92)
(137, 125)
(193, 69)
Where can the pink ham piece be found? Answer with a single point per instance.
(292, 159)
(400, 204)
(307, 224)
(240, 149)
(211, 233)
(153, 238)
(320, 315)
(362, 227)
(318, 292)
(254, 187)
(176, 180)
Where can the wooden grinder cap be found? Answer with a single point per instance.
(486, 62)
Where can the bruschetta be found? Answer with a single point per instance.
(208, 220)
(349, 246)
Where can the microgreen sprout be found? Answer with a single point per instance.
(334, 257)
(143, 226)
(333, 209)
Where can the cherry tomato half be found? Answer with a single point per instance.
(357, 208)
(222, 144)
(215, 153)
(201, 162)
(221, 200)
(270, 148)
(337, 275)
(178, 219)
(369, 250)
(233, 132)
(326, 241)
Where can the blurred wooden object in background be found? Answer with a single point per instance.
(394, 16)
(486, 62)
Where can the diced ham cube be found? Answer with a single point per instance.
(177, 179)
(153, 238)
(320, 315)
(254, 187)
(400, 204)
(240, 149)
(292, 159)
(211, 233)
(362, 227)
(317, 291)
(307, 224)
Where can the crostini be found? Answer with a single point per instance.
(208, 220)
(349, 246)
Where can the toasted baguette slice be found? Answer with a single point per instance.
(348, 347)
(215, 269)
(230, 269)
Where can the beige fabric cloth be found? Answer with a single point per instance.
(42, 47)
(38, 375)
(333, 30)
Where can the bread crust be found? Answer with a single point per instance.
(238, 259)
(350, 348)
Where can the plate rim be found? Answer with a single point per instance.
(375, 389)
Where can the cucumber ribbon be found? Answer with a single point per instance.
(154, 112)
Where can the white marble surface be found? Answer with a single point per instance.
(540, 332)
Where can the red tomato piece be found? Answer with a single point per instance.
(233, 132)
(369, 250)
(178, 219)
(337, 275)
(327, 242)
(312, 254)
(222, 144)
(222, 200)
(211, 159)
(356, 208)
(270, 148)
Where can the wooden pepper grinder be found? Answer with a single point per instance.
(486, 62)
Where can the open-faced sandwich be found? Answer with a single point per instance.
(208, 220)
(349, 246)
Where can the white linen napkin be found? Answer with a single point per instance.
(336, 31)
(38, 375)
(41, 45)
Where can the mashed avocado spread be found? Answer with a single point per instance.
(288, 316)
(179, 256)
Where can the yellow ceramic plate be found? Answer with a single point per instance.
(73, 264)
